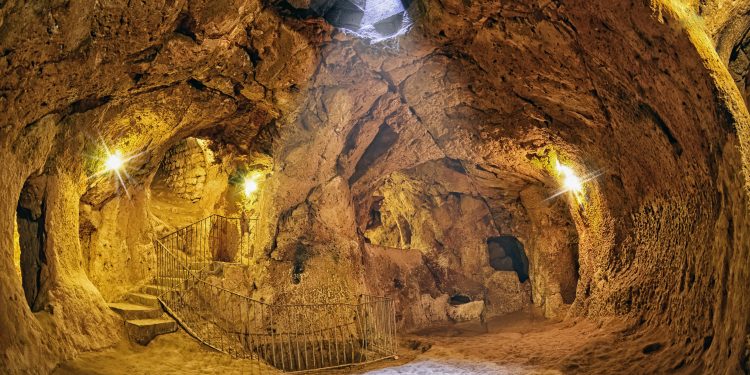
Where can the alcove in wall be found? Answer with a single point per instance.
(30, 226)
(506, 253)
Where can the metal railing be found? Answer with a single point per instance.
(215, 238)
(288, 337)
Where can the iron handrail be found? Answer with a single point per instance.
(205, 218)
(290, 337)
(215, 238)
(190, 271)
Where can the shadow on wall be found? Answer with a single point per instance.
(506, 253)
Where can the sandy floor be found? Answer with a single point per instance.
(515, 344)
(176, 353)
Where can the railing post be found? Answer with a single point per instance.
(289, 337)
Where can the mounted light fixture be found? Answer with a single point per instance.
(571, 182)
(114, 161)
(250, 185)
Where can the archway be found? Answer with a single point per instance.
(506, 253)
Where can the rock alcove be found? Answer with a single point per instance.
(573, 170)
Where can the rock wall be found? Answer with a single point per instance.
(433, 209)
(137, 79)
(183, 169)
(553, 255)
(514, 88)
(117, 235)
(633, 95)
(72, 315)
(116, 240)
(16, 249)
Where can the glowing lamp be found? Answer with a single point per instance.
(250, 186)
(114, 161)
(570, 181)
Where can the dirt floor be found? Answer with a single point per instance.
(520, 343)
(176, 353)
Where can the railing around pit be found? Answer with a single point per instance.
(293, 337)
(214, 238)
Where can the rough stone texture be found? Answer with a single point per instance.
(466, 311)
(725, 21)
(434, 209)
(403, 274)
(117, 236)
(510, 89)
(138, 79)
(727, 24)
(183, 169)
(117, 245)
(554, 259)
(505, 294)
(467, 114)
(74, 317)
(17, 249)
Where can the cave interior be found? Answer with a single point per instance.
(375, 186)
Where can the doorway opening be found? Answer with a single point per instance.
(30, 220)
(507, 254)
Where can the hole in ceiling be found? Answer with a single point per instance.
(376, 20)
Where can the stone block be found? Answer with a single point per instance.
(466, 311)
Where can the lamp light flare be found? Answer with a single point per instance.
(114, 161)
(250, 186)
(570, 180)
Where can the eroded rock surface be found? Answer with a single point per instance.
(385, 168)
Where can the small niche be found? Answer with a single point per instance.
(459, 299)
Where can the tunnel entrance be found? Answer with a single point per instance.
(30, 221)
(507, 254)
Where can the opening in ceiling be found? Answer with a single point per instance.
(376, 20)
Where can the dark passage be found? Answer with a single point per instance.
(32, 238)
(506, 254)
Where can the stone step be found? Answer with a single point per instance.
(132, 311)
(196, 266)
(175, 272)
(143, 331)
(154, 290)
(175, 282)
(143, 299)
(178, 271)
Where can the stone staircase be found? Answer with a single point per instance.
(142, 311)
(143, 314)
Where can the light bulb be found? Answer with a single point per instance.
(571, 182)
(114, 161)
(251, 186)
